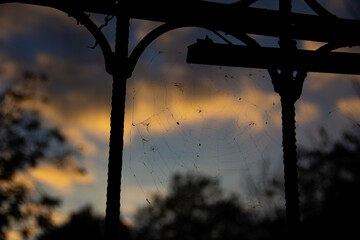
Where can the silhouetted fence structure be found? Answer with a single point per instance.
(286, 65)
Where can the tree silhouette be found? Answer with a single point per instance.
(329, 182)
(26, 141)
(194, 208)
(83, 224)
(329, 178)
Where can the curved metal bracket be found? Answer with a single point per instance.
(147, 40)
(166, 27)
(85, 20)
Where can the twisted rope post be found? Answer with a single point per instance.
(290, 166)
(289, 88)
(120, 73)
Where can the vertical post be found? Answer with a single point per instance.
(120, 75)
(290, 166)
(289, 89)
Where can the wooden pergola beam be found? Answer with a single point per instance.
(231, 18)
(206, 52)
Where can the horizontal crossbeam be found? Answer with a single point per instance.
(206, 52)
(230, 18)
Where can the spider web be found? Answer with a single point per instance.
(218, 121)
(198, 119)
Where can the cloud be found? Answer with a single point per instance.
(77, 124)
(95, 122)
(7, 68)
(349, 107)
(339, 8)
(31, 16)
(78, 98)
(307, 112)
(309, 45)
(142, 27)
(73, 80)
(161, 109)
(61, 179)
(11, 24)
(13, 235)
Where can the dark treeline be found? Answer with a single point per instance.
(196, 207)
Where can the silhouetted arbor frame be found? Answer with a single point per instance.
(237, 19)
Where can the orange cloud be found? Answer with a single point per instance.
(62, 179)
(307, 112)
(157, 108)
(72, 106)
(13, 235)
(94, 122)
(350, 107)
(309, 45)
(160, 109)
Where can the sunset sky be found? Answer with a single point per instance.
(220, 121)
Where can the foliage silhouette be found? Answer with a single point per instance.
(25, 142)
(329, 183)
(329, 178)
(195, 208)
(83, 224)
